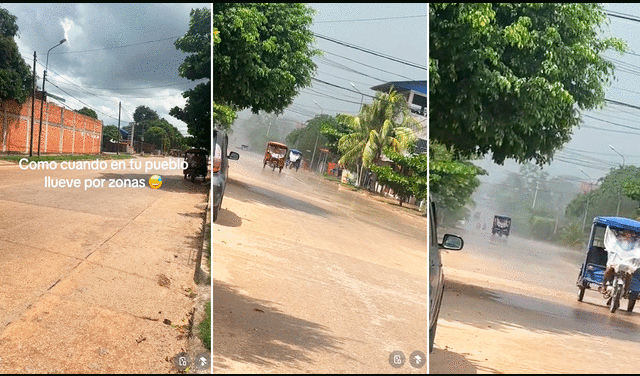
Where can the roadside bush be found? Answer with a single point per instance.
(573, 235)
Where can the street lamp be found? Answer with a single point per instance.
(318, 135)
(44, 77)
(618, 154)
(362, 95)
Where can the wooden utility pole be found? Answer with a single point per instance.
(33, 104)
(119, 107)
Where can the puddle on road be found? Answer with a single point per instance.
(591, 316)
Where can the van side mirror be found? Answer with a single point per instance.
(234, 156)
(452, 242)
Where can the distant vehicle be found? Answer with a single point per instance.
(196, 164)
(501, 225)
(219, 169)
(294, 159)
(243, 147)
(275, 155)
(436, 276)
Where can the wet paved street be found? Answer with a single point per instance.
(511, 307)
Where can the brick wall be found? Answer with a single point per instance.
(63, 131)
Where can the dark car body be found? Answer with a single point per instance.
(436, 275)
(219, 169)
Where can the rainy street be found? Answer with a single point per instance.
(510, 306)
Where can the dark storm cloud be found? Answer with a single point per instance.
(109, 47)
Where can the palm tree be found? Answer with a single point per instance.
(386, 122)
(353, 144)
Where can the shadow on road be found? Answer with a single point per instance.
(537, 315)
(228, 218)
(449, 362)
(251, 193)
(253, 331)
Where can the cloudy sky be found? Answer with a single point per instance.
(398, 31)
(113, 53)
(588, 155)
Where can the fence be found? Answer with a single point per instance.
(63, 131)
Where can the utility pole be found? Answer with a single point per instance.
(119, 108)
(535, 197)
(33, 104)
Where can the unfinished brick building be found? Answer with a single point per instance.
(63, 131)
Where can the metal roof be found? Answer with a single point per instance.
(618, 223)
(417, 86)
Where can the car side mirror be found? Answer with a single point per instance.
(233, 155)
(452, 242)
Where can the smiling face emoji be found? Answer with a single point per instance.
(155, 181)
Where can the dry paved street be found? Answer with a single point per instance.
(90, 278)
(309, 277)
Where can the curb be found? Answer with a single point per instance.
(195, 345)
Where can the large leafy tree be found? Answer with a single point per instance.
(88, 112)
(263, 57)
(510, 79)
(16, 80)
(197, 66)
(144, 113)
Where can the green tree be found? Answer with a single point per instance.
(144, 113)
(511, 79)
(407, 177)
(451, 181)
(264, 55)
(16, 80)
(156, 136)
(88, 112)
(197, 66)
(352, 145)
(391, 126)
(609, 199)
(109, 132)
(384, 123)
(311, 136)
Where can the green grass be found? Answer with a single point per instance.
(205, 326)
(66, 157)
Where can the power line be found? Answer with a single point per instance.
(623, 16)
(371, 52)
(373, 19)
(112, 48)
(366, 65)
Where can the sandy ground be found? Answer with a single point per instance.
(309, 277)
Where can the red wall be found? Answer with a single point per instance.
(63, 131)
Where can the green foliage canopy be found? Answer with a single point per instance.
(88, 112)
(263, 58)
(197, 66)
(451, 181)
(510, 79)
(408, 177)
(16, 79)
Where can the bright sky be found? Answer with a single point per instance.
(113, 53)
(398, 31)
